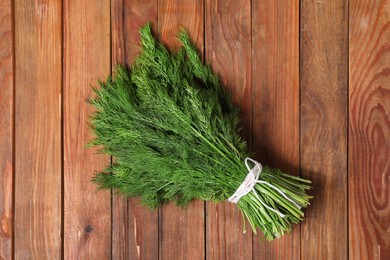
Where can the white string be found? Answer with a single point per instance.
(249, 183)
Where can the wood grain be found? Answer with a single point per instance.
(134, 228)
(292, 87)
(172, 14)
(324, 113)
(275, 59)
(87, 212)
(37, 210)
(6, 128)
(228, 50)
(369, 130)
(181, 230)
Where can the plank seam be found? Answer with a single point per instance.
(159, 213)
(252, 98)
(124, 56)
(347, 137)
(13, 59)
(111, 192)
(62, 135)
(204, 202)
(300, 111)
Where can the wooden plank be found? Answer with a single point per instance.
(275, 50)
(324, 112)
(87, 212)
(369, 130)
(38, 44)
(6, 128)
(135, 229)
(120, 243)
(228, 50)
(181, 230)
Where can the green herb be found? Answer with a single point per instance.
(173, 131)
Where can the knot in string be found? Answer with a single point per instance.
(249, 183)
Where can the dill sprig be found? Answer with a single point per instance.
(173, 131)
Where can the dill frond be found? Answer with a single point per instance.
(173, 131)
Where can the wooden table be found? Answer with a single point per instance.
(312, 81)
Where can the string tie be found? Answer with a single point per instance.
(249, 183)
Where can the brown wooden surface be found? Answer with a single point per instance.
(6, 128)
(181, 231)
(37, 223)
(275, 58)
(120, 240)
(134, 228)
(311, 78)
(369, 130)
(87, 212)
(324, 115)
(228, 50)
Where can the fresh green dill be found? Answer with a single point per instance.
(173, 132)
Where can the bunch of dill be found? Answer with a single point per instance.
(173, 132)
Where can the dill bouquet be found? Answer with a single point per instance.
(173, 131)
